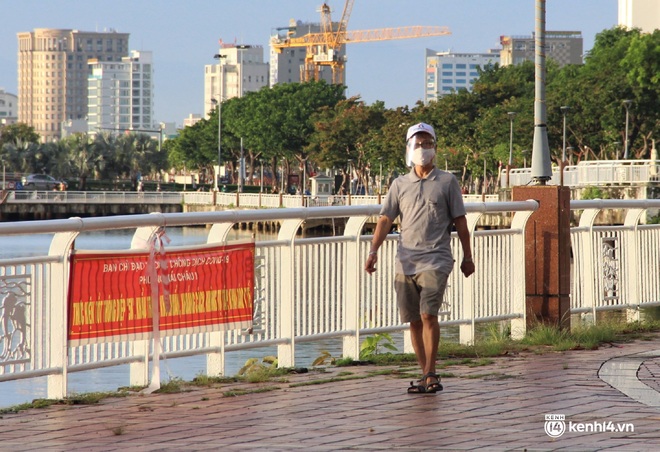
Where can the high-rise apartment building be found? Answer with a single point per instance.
(285, 67)
(240, 69)
(448, 72)
(8, 108)
(53, 71)
(121, 94)
(565, 47)
(643, 14)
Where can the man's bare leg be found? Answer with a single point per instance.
(431, 338)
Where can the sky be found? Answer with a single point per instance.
(183, 36)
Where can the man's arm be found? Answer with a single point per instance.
(467, 265)
(383, 227)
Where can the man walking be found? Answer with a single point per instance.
(428, 202)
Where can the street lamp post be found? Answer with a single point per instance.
(380, 175)
(626, 104)
(511, 114)
(524, 153)
(564, 111)
(241, 168)
(349, 179)
(221, 82)
(239, 74)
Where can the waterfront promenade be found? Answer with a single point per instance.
(499, 406)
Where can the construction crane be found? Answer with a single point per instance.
(324, 48)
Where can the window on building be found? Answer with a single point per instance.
(447, 66)
(461, 66)
(460, 74)
(447, 73)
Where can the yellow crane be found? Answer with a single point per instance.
(324, 48)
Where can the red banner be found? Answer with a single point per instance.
(207, 289)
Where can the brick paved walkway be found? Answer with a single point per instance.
(500, 406)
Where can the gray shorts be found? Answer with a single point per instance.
(420, 293)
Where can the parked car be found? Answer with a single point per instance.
(42, 182)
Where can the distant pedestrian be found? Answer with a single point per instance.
(428, 203)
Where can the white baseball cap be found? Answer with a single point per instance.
(421, 127)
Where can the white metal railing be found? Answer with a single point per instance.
(307, 289)
(595, 173)
(242, 200)
(614, 267)
(310, 289)
(94, 197)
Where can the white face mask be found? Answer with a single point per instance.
(422, 156)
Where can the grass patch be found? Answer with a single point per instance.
(90, 398)
(174, 386)
(240, 392)
(205, 380)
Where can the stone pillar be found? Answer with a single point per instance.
(547, 254)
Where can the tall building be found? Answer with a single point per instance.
(448, 72)
(8, 108)
(121, 94)
(52, 74)
(285, 67)
(643, 14)
(565, 47)
(240, 69)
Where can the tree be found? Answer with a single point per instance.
(18, 133)
(343, 137)
(276, 122)
(642, 66)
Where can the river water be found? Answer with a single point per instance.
(110, 379)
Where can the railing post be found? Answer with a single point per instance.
(57, 314)
(517, 277)
(633, 268)
(548, 252)
(590, 262)
(352, 317)
(139, 371)
(466, 332)
(215, 361)
(286, 353)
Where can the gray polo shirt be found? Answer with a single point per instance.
(427, 208)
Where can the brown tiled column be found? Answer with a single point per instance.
(547, 248)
